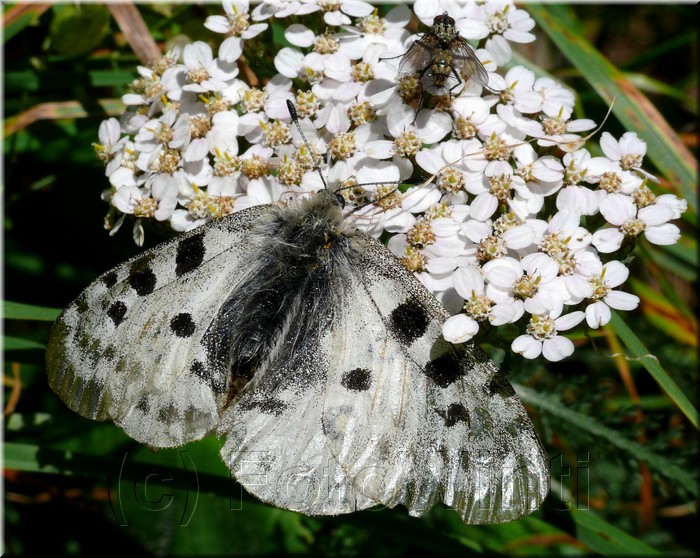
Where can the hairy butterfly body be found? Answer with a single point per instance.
(315, 354)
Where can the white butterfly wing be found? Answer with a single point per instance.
(275, 445)
(414, 420)
(133, 346)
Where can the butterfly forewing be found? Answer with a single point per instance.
(130, 346)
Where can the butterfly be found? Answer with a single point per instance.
(317, 357)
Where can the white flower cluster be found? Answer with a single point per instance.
(514, 221)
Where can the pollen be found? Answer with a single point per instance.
(220, 206)
(307, 104)
(464, 128)
(554, 245)
(497, 23)
(164, 134)
(632, 228)
(506, 222)
(373, 24)
(610, 182)
(554, 126)
(421, 234)
(414, 260)
(439, 210)
(407, 144)
(631, 161)
(200, 124)
(253, 100)
(225, 164)
(450, 181)
(276, 133)
(387, 196)
(600, 289)
(643, 197)
(409, 87)
(478, 307)
(362, 72)
(307, 157)
(198, 75)
(326, 44)
(353, 193)
(255, 167)
(491, 248)
(168, 161)
(361, 113)
(238, 22)
(146, 208)
(343, 146)
(541, 327)
(500, 187)
(199, 206)
(526, 287)
(289, 172)
(216, 103)
(496, 149)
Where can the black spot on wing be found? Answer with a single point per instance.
(444, 370)
(144, 405)
(358, 379)
(267, 405)
(182, 325)
(214, 381)
(455, 413)
(143, 281)
(81, 304)
(499, 385)
(190, 254)
(117, 311)
(408, 321)
(109, 279)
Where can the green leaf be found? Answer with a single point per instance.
(630, 106)
(20, 344)
(640, 352)
(78, 29)
(19, 311)
(591, 426)
(606, 539)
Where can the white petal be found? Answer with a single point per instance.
(617, 208)
(607, 241)
(467, 280)
(459, 328)
(663, 235)
(557, 348)
(519, 237)
(620, 300)
(502, 314)
(654, 215)
(597, 314)
(483, 206)
(231, 49)
(527, 346)
(615, 273)
(567, 321)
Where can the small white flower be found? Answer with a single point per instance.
(629, 152)
(542, 336)
(628, 223)
(614, 273)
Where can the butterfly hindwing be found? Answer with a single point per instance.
(130, 347)
(413, 420)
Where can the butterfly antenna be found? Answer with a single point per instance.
(295, 119)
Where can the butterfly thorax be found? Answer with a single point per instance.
(306, 244)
